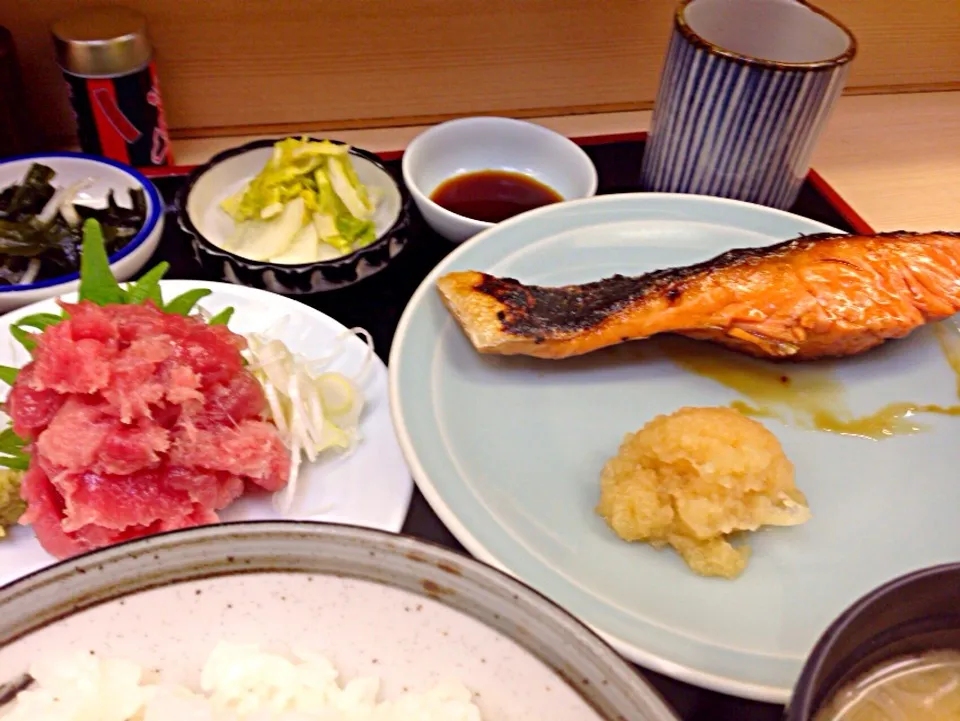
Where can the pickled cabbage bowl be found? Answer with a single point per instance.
(294, 215)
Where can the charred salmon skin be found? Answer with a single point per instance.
(812, 297)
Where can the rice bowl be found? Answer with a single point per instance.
(237, 681)
(376, 605)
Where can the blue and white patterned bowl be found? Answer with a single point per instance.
(200, 216)
(105, 175)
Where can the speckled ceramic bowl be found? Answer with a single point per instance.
(377, 604)
(201, 217)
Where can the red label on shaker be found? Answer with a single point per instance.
(122, 117)
(160, 148)
(107, 117)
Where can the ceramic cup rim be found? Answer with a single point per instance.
(680, 21)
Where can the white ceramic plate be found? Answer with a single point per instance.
(508, 451)
(371, 487)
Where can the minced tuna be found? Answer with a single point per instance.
(139, 421)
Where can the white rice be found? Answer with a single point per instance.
(238, 682)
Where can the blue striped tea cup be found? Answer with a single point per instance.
(745, 91)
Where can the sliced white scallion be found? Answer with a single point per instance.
(314, 411)
(51, 208)
(337, 391)
(61, 200)
(365, 336)
(70, 214)
(30, 274)
(66, 208)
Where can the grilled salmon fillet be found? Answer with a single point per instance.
(812, 297)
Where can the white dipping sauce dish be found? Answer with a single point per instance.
(469, 145)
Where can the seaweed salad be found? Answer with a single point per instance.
(41, 228)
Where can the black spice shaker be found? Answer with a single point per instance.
(15, 133)
(107, 62)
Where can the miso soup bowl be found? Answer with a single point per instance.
(489, 143)
(912, 614)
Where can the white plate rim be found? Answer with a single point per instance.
(710, 681)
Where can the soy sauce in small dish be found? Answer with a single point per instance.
(493, 195)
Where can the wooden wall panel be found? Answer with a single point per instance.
(904, 44)
(236, 66)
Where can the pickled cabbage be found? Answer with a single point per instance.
(319, 180)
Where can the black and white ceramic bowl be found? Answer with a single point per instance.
(200, 215)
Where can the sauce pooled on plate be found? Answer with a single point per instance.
(806, 395)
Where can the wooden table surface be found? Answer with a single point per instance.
(894, 158)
